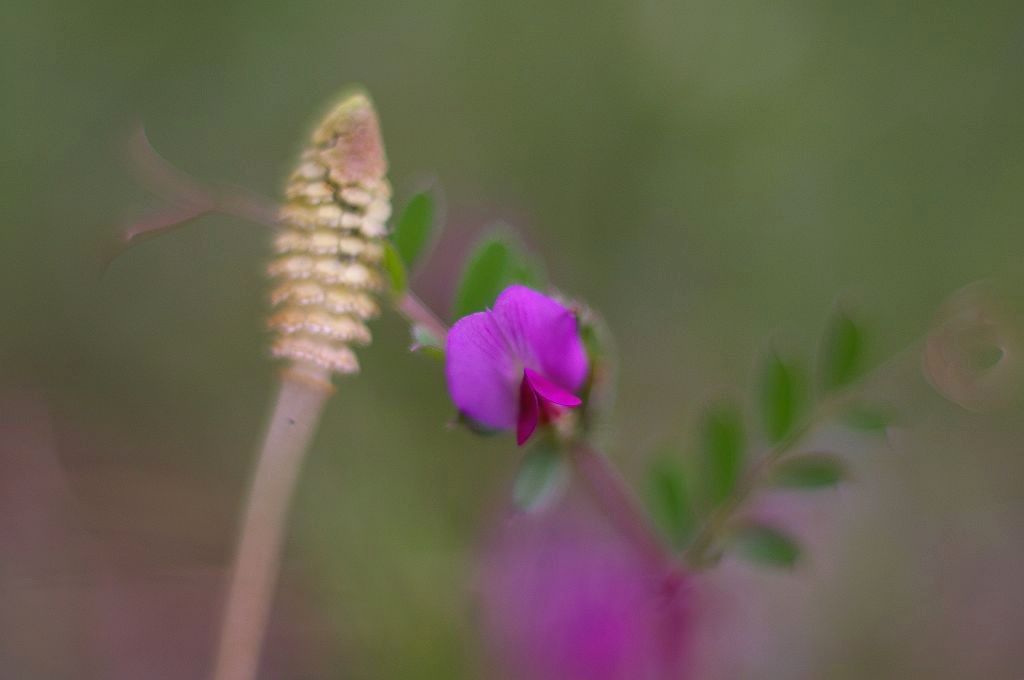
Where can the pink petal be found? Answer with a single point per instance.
(549, 390)
(544, 334)
(529, 412)
(483, 374)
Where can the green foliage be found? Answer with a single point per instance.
(780, 397)
(414, 228)
(542, 474)
(497, 262)
(670, 502)
(722, 445)
(395, 269)
(762, 544)
(809, 471)
(841, 357)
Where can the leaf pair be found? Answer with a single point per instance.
(840, 361)
(678, 496)
(497, 262)
(674, 511)
(841, 357)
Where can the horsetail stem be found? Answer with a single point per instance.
(326, 272)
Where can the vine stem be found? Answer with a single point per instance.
(619, 505)
(302, 393)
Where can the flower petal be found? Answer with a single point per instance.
(549, 390)
(544, 334)
(483, 373)
(562, 598)
(529, 412)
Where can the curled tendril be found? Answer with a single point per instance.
(973, 353)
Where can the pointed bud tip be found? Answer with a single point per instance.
(351, 140)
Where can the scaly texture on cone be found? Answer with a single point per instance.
(327, 268)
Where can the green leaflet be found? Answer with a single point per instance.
(497, 262)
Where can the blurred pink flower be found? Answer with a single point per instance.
(516, 365)
(564, 600)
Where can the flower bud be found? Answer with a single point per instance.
(327, 264)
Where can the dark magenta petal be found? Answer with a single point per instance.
(544, 335)
(529, 412)
(549, 390)
(483, 375)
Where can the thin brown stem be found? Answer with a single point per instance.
(293, 422)
(617, 502)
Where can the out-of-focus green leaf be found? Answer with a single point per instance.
(841, 356)
(495, 264)
(867, 418)
(541, 476)
(670, 502)
(780, 397)
(395, 268)
(722, 449)
(414, 228)
(425, 342)
(809, 471)
(766, 545)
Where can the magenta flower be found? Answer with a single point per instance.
(563, 599)
(518, 364)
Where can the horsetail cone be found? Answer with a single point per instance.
(327, 267)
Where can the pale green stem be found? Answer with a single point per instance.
(417, 313)
(293, 422)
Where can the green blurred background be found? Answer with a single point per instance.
(709, 175)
